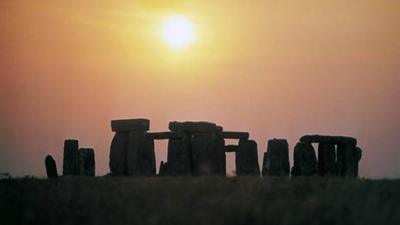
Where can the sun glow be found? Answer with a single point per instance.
(178, 32)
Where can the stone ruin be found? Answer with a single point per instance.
(337, 156)
(198, 148)
(276, 158)
(76, 161)
(194, 148)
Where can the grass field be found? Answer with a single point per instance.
(194, 201)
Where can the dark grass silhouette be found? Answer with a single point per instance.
(204, 200)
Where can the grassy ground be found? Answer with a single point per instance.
(194, 201)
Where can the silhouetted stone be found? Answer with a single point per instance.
(276, 159)
(358, 158)
(347, 155)
(219, 129)
(194, 127)
(231, 148)
(327, 159)
(305, 161)
(343, 162)
(351, 161)
(179, 156)
(140, 160)
(208, 154)
(235, 135)
(87, 162)
(51, 167)
(247, 158)
(118, 154)
(328, 139)
(340, 160)
(130, 125)
(164, 135)
(70, 161)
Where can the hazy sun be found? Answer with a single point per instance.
(178, 32)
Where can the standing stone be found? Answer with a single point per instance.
(341, 159)
(179, 156)
(70, 161)
(326, 159)
(305, 160)
(347, 162)
(343, 162)
(208, 154)
(51, 167)
(206, 148)
(136, 144)
(140, 155)
(147, 163)
(276, 159)
(132, 151)
(118, 154)
(87, 162)
(247, 158)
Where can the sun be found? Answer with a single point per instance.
(178, 32)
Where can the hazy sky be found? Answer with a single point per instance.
(274, 68)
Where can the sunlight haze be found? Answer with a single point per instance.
(277, 69)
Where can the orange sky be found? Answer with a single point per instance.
(273, 68)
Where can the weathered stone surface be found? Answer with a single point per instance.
(235, 135)
(208, 154)
(247, 159)
(327, 159)
(305, 160)
(276, 159)
(140, 159)
(328, 139)
(179, 157)
(87, 166)
(231, 148)
(194, 127)
(130, 125)
(164, 135)
(51, 167)
(118, 154)
(70, 161)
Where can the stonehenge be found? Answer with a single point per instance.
(337, 156)
(199, 148)
(194, 149)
